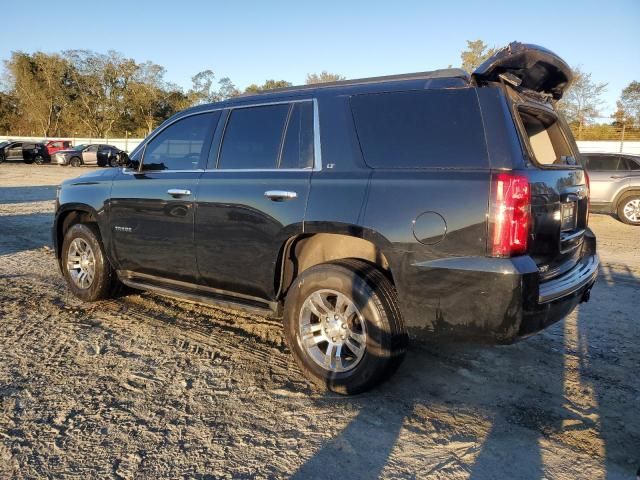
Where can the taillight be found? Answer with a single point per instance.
(588, 182)
(509, 215)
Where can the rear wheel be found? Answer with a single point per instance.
(75, 162)
(39, 159)
(629, 209)
(344, 327)
(113, 162)
(85, 266)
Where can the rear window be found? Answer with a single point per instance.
(546, 139)
(421, 129)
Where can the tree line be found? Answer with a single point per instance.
(86, 93)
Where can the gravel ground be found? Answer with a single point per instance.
(146, 387)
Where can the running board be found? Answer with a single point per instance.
(198, 294)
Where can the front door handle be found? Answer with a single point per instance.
(280, 195)
(178, 192)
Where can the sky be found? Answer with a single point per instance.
(250, 42)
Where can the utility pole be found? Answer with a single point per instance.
(624, 125)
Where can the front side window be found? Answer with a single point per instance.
(182, 144)
(603, 163)
(253, 137)
(420, 129)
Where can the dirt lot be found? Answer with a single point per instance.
(148, 387)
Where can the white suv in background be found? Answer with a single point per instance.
(615, 184)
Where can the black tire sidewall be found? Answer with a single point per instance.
(103, 274)
(372, 367)
(75, 162)
(620, 209)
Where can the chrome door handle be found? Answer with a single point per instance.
(178, 192)
(280, 195)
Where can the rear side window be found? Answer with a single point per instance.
(421, 129)
(629, 164)
(297, 151)
(546, 139)
(253, 137)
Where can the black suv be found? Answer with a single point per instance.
(27, 152)
(363, 211)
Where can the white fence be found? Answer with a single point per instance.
(128, 144)
(613, 146)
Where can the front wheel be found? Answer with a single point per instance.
(344, 327)
(75, 162)
(84, 264)
(629, 209)
(39, 160)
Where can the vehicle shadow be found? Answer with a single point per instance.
(437, 388)
(39, 193)
(610, 352)
(523, 398)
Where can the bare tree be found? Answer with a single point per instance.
(581, 102)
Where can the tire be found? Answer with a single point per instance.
(114, 162)
(39, 160)
(377, 316)
(75, 162)
(628, 209)
(104, 282)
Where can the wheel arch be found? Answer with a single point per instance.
(68, 215)
(621, 194)
(303, 251)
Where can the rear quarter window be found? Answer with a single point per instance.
(421, 129)
(546, 138)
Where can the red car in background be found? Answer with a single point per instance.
(56, 145)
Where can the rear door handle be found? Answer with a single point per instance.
(280, 195)
(178, 192)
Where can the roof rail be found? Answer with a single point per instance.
(442, 73)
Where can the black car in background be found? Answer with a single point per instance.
(92, 154)
(27, 152)
(363, 212)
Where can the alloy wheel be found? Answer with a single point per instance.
(81, 263)
(332, 331)
(631, 210)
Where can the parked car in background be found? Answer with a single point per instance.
(27, 152)
(615, 184)
(92, 154)
(54, 146)
(362, 211)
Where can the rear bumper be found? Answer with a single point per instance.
(491, 299)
